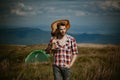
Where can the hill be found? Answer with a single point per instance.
(23, 36)
(28, 36)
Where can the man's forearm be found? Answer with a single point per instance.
(73, 60)
(48, 49)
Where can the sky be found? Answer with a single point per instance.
(85, 16)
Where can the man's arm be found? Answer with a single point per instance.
(51, 46)
(48, 49)
(72, 62)
(74, 52)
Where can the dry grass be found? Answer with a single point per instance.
(95, 62)
(91, 45)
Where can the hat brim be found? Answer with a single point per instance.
(54, 25)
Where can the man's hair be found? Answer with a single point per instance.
(58, 27)
(60, 24)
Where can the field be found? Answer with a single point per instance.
(94, 62)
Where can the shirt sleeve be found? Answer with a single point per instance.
(74, 47)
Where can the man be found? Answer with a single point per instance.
(64, 50)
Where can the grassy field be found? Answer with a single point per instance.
(94, 62)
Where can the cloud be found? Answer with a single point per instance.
(80, 13)
(110, 4)
(18, 12)
(110, 7)
(21, 5)
(116, 5)
(75, 8)
(22, 10)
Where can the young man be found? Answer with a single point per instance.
(64, 50)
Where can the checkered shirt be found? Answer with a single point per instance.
(63, 54)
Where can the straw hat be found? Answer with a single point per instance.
(54, 25)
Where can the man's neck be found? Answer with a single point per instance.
(61, 36)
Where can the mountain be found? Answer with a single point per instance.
(23, 36)
(28, 36)
(97, 38)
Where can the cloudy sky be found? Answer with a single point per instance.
(86, 16)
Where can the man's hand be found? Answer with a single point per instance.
(54, 43)
(68, 66)
(54, 40)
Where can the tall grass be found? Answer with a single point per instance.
(92, 64)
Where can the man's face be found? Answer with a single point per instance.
(62, 30)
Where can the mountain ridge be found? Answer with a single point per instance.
(26, 36)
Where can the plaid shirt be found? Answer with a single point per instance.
(63, 54)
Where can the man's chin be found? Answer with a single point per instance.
(63, 34)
